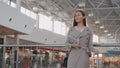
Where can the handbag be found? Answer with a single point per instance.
(65, 61)
(64, 64)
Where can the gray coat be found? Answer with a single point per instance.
(78, 58)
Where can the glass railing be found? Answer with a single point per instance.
(51, 57)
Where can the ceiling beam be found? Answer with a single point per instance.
(100, 3)
(116, 34)
(68, 3)
(27, 4)
(93, 7)
(55, 4)
(111, 16)
(105, 4)
(108, 19)
(71, 2)
(106, 16)
(91, 4)
(103, 8)
(114, 3)
(85, 9)
(112, 25)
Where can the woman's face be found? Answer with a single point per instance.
(79, 17)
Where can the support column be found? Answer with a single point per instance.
(93, 60)
(103, 59)
(99, 39)
(53, 25)
(41, 66)
(97, 60)
(4, 48)
(18, 4)
(37, 21)
(16, 41)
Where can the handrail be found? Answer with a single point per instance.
(57, 45)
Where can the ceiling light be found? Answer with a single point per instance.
(36, 9)
(101, 27)
(105, 31)
(109, 34)
(81, 4)
(90, 14)
(97, 22)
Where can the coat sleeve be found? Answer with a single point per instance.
(67, 44)
(90, 42)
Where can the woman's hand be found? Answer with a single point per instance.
(75, 45)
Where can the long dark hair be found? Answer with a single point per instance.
(84, 20)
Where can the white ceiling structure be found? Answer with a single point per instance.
(103, 15)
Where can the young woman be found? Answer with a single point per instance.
(79, 42)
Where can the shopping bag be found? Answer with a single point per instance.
(64, 64)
